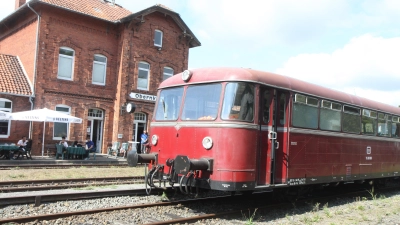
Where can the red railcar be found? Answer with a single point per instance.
(236, 129)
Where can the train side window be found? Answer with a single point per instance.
(351, 122)
(384, 125)
(169, 103)
(395, 126)
(201, 102)
(266, 102)
(330, 116)
(368, 123)
(305, 112)
(282, 108)
(238, 102)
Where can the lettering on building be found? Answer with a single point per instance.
(143, 96)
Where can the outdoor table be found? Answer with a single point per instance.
(5, 150)
(76, 151)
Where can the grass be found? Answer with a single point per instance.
(250, 219)
(81, 172)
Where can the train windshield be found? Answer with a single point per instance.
(238, 102)
(201, 102)
(169, 104)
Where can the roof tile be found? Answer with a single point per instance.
(102, 9)
(12, 76)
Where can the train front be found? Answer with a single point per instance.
(202, 134)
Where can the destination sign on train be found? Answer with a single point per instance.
(152, 98)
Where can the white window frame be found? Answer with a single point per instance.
(168, 75)
(161, 38)
(9, 121)
(66, 57)
(148, 75)
(68, 113)
(100, 64)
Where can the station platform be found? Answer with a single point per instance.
(100, 159)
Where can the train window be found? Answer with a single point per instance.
(330, 116)
(305, 113)
(282, 109)
(395, 126)
(266, 104)
(238, 102)
(368, 123)
(169, 103)
(384, 125)
(351, 122)
(201, 102)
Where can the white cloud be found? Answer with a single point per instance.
(366, 66)
(267, 22)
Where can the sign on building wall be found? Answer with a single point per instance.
(143, 96)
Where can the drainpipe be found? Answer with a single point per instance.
(31, 98)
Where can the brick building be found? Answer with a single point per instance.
(88, 58)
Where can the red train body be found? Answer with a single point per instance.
(237, 129)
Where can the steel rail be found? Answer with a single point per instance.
(38, 199)
(60, 166)
(52, 181)
(69, 186)
(93, 211)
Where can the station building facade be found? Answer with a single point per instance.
(88, 59)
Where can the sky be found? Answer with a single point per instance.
(350, 46)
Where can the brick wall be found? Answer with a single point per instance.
(21, 41)
(124, 45)
(138, 45)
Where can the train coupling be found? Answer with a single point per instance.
(183, 165)
(134, 158)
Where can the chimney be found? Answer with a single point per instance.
(19, 3)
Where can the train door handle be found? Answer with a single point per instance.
(277, 145)
(272, 135)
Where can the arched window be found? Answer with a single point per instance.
(99, 69)
(141, 117)
(66, 63)
(61, 129)
(143, 77)
(5, 106)
(168, 72)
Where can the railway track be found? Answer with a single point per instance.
(100, 210)
(61, 166)
(40, 185)
(233, 205)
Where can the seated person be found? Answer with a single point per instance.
(64, 143)
(22, 147)
(89, 147)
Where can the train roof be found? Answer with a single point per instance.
(278, 81)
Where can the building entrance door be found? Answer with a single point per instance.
(94, 127)
(139, 125)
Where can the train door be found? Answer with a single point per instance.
(280, 162)
(267, 135)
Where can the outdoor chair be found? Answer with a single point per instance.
(60, 151)
(124, 149)
(113, 150)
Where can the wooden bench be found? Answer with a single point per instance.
(51, 149)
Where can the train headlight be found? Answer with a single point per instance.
(154, 139)
(186, 75)
(207, 142)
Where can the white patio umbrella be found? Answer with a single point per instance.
(4, 115)
(44, 115)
